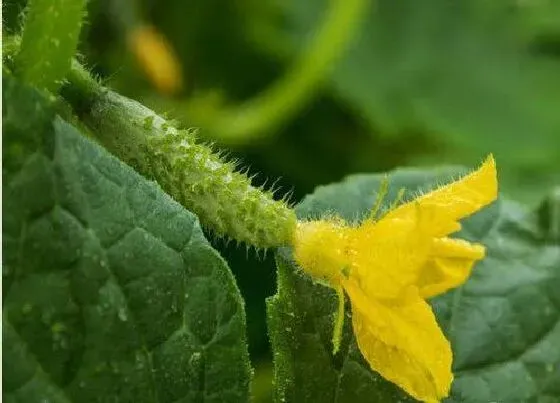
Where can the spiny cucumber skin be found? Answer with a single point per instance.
(199, 179)
(224, 200)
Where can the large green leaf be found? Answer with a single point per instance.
(504, 323)
(111, 292)
(461, 71)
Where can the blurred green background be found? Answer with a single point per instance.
(418, 83)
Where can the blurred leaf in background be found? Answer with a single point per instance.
(464, 73)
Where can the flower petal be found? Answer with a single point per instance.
(403, 342)
(441, 275)
(450, 266)
(388, 255)
(457, 199)
(156, 56)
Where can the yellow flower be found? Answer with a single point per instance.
(389, 266)
(156, 56)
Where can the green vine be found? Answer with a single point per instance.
(260, 115)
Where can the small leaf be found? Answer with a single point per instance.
(503, 324)
(111, 292)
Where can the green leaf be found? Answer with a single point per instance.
(504, 323)
(462, 72)
(111, 292)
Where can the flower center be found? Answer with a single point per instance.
(320, 250)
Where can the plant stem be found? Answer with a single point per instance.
(49, 41)
(281, 100)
